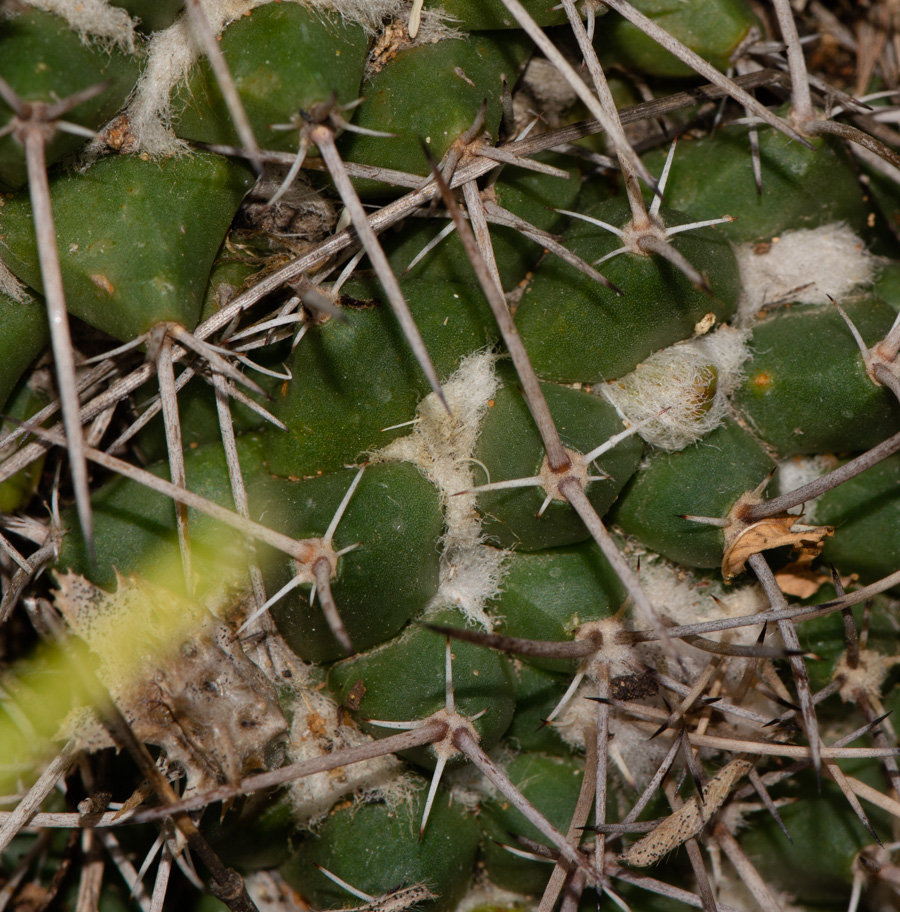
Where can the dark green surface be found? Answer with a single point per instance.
(132, 249)
(477, 15)
(151, 15)
(510, 447)
(865, 513)
(24, 333)
(548, 594)
(704, 479)
(537, 694)
(134, 527)
(801, 188)
(806, 389)
(376, 849)
(552, 785)
(359, 376)
(816, 866)
(711, 28)
(404, 680)
(43, 59)
(284, 58)
(576, 330)
(428, 72)
(394, 515)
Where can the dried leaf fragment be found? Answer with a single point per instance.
(743, 539)
(688, 820)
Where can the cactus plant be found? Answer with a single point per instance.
(405, 514)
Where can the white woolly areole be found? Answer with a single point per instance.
(318, 728)
(804, 267)
(796, 471)
(173, 51)
(441, 446)
(93, 19)
(171, 54)
(683, 388)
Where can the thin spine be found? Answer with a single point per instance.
(322, 572)
(210, 46)
(579, 818)
(746, 870)
(825, 483)
(60, 335)
(424, 734)
(149, 413)
(299, 549)
(576, 496)
(29, 805)
(161, 884)
(126, 869)
(465, 741)
(764, 796)
(701, 67)
(639, 214)
(602, 761)
(801, 98)
(534, 396)
(168, 398)
(236, 476)
(479, 225)
(591, 102)
(90, 880)
(324, 139)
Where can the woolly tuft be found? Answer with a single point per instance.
(441, 446)
(686, 386)
(93, 20)
(318, 727)
(797, 471)
(803, 267)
